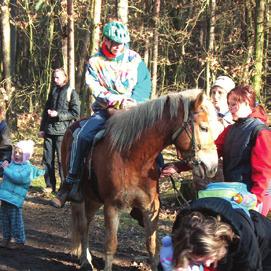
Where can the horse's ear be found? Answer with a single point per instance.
(199, 100)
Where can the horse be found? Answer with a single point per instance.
(121, 172)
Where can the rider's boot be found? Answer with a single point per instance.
(63, 194)
(75, 195)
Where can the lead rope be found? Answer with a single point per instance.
(178, 193)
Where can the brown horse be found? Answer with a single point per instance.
(124, 174)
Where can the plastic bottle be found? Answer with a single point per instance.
(166, 253)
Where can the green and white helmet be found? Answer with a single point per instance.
(117, 32)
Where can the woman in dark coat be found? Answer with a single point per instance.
(212, 233)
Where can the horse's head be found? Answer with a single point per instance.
(194, 140)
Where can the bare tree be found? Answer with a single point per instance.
(210, 43)
(64, 33)
(95, 37)
(259, 46)
(71, 60)
(155, 47)
(5, 34)
(268, 49)
(123, 10)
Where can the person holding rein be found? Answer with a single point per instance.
(218, 95)
(245, 146)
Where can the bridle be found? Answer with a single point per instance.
(189, 127)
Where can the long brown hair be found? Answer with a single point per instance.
(195, 234)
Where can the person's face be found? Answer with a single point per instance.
(114, 47)
(18, 155)
(59, 78)
(207, 261)
(219, 98)
(238, 109)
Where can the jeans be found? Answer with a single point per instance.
(83, 138)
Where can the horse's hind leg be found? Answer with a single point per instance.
(82, 216)
(151, 216)
(111, 216)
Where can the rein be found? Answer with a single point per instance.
(189, 128)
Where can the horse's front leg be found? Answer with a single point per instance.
(151, 216)
(111, 218)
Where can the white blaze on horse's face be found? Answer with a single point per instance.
(205, 129)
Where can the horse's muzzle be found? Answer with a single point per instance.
(202, 171)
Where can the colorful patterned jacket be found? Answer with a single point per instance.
(114, 80)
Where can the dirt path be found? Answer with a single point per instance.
(48, 237)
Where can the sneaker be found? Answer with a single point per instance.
(4, 243)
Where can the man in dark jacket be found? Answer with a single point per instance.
(61, 108)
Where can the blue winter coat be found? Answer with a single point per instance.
(16, 181)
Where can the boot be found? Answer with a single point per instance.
(62, 195)
(75, 195)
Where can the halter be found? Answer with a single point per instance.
(189, 128)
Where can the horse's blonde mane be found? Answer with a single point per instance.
(126, 127)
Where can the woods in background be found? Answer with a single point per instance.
(184, 43)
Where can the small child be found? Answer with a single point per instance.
(17, 177)
(166, 257)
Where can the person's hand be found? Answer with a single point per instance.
(41, 134)
(168, 170)
(128, 103)
(52, 113)
(5, 164)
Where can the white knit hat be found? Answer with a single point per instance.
(27, 147)
(224, 82)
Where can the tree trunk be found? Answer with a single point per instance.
(64, 34)
(13, 37)
(248, 29)
(123, 11)
(259, 46)
(155, 48)
(5, 29)
(71, 61)
(268, 50)
(84, 50)
(210, 44)
(95, 38)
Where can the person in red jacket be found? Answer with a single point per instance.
(244, 146)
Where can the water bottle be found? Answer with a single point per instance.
(166, 253)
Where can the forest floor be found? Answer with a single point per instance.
(48, 237)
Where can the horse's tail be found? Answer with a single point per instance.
(79, 228)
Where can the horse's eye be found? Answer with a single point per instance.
(203, 128)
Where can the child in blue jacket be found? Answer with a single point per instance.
(17, 177)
